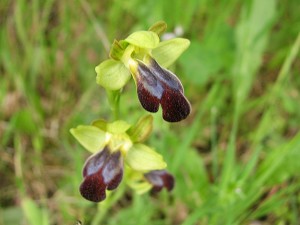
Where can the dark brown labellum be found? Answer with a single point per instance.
(156, 85)
(103, 170)
(160, 179)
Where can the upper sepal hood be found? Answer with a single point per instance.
(143, 39)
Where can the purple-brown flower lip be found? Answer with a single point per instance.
(102, 171)
(160, 179)
(156, 85)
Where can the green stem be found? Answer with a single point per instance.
(114, 102)
(106, 205)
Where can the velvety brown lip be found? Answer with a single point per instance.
(155, 86)
(160, 179)
(102, 171)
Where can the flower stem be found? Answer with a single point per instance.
(114, 102)
(104, 207)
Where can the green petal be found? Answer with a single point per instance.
(112, 75)
(167, 52)
(101, 124)
(142, 158)
(90, 137)
(117, 50)
(142, 129)
(143, 39)
(159, 27)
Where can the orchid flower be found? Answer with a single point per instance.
(143, 56)
(117, 147)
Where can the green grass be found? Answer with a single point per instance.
(235, 159)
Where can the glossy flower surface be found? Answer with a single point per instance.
(158, 86)
(102, 171)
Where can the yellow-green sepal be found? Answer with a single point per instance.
(90, 137)
(112, 75)
(144, 159)
(167, 52)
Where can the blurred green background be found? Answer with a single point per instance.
(235, 159)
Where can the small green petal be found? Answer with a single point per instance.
(101, 124)
(90, 137)
(117, 50)
(142, 158)
(167, 52)
(143, 39)
(142, 129)
(112, 75)
(159, 27)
